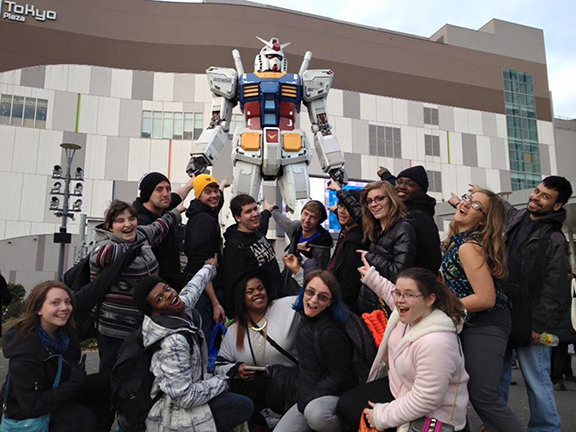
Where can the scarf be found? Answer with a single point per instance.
(58, 345)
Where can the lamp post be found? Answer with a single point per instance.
(65, 211)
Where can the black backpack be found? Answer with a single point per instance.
(132, 380)
(364, 347)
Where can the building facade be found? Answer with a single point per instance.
(125, 80)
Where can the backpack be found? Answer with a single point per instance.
(132, 381)
(363, 346)
(76, 278)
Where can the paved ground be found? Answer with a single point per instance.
(518, 400)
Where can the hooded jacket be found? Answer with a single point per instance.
(424, 364)
(551, 293)
(167, 252)
(32, 368)
(244, 251)
(118, 315)
(179, 368)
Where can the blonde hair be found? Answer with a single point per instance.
(491, 233)
(397, 209)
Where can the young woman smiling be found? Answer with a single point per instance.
(118, 315)
(419, 369)
(474, 256)
(392, 239)
(324, 370)
(34, 346)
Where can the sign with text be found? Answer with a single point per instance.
(15, 11)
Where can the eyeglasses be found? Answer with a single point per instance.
(251, 291)
(323, 298)
(474, 204)
(408, 296)
(377, 200)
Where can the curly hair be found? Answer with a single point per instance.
(397, 209)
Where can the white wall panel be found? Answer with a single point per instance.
(456, 156)
(368, 165)
(49, 151)
(33, 204)
(464, 178)
(384, 109)
(493, 180)
(7, 140)
(159, 150)
(121, 83)
(179, 159)
(56, 77)
(39, 228)
(10, 208)
(420, 144)
(95, 160)
(202, 91)
(2, 229)
(484, 151)
(108, 116)
(335, 102)
(88, 121)
(475, 122)
(344, 133)
(152, 106)
(501, 130)
(461, 120)
(101, 196)
(163, 86)
(545, 132)
(409, 142)
(138, 158)
(443, 147)
(11, 77)
(17, 229)
(553, 161)
(400, 111)
(79, 79)
(19, 90)
(41, 93)
(25, 153)
(176, 106)
(368, 107)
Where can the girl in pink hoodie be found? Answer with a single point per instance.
(419, 369)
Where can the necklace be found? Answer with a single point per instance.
(263, 330)
(262, 327)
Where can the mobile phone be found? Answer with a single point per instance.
(256, 368)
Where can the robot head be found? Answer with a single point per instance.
(271, 58)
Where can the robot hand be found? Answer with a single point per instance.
(339, 176)
(196, 166)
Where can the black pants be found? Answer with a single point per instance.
(352, 403)
(90, 409)
(561, 362)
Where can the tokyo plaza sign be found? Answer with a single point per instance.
(14, 11)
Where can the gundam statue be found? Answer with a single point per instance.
(269, 146)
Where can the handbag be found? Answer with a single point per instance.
(38, 424)
(364, 426)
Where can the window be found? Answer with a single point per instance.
(432, 145)
(188, 126)
(522, 129)
(167, 126)
(178, 126)
(146, 124)
(156, 124)
(435, 181)
(385, 141)
(171, 125)
(431, 116)
(23, 111)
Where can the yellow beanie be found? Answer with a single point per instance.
(200, 183)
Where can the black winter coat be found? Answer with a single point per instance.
(421, 216)
(5, 297)
(324, 373)
(32, 370)
(168, 252)
(203, 237)
(551, 293)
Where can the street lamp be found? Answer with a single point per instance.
(65, 211)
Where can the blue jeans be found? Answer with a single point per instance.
(534, 361)
(230, 410)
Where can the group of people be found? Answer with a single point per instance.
(458, 312)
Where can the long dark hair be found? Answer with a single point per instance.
(428, 284)
(30, 320)
(338, 310)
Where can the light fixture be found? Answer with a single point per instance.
(56, 188)
(57, 171)
(78, 189)
(54, 204)
(76, 207)
(79, 174)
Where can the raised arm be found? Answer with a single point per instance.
(157, 231)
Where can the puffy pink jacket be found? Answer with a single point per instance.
(424, 364)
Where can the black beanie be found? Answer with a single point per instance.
(323, 214)
(418, 174)
(141, 291)
(148, 184)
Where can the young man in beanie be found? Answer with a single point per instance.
(156, 198)
(203, 241)
(411, 186)
(191, 398)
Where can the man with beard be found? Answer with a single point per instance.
(411, 186)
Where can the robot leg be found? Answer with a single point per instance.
(247, 179)
(295, 186)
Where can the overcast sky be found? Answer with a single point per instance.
(424, 17)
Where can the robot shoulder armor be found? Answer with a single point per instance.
(316, 83)
(223, 81)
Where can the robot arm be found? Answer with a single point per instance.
(316, 85)
(207, 148)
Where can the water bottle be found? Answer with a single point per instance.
(549, 339)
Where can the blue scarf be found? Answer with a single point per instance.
(59, 345)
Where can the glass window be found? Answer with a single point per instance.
(178, 125)
(431, 116)
(188, 126)
(41, 113)
(17, 111)
(372, 140)
(435, 181)
(381, 141)
(198, 125)
(146, 124)
(29, 112)
(156, 124)
(5, 109)
(167, 126)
